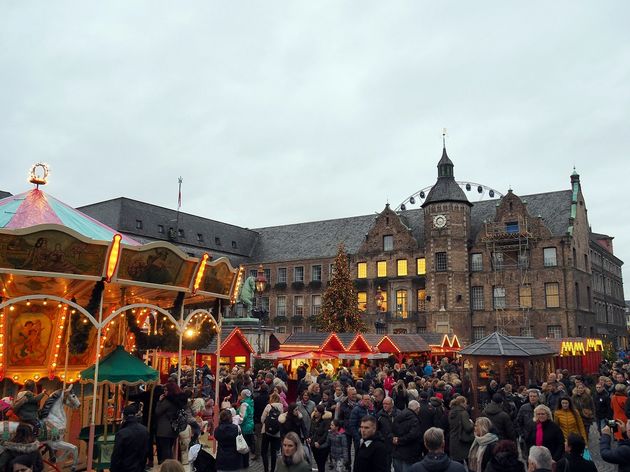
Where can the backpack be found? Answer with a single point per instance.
(180, 422)
(272, 422)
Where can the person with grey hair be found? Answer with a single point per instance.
(436, 458)
(539, 459)
(405, 437)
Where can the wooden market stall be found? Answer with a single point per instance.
(442, 345)
(400, 346)
(517, 360)
(577, 355)
(236, 350)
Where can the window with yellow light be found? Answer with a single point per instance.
(381, 269)
(362, 301)
(362, 270)
(421, 266)
(401, 267)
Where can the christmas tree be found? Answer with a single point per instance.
(340, 311)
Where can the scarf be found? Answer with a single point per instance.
(539, 434)
(478, 449)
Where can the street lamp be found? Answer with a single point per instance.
(261, 285)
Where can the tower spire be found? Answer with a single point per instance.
(444, 138)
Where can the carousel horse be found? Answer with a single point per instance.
(53, 428)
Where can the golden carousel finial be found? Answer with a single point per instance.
(39, 174)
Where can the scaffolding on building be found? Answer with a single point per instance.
(508, 244)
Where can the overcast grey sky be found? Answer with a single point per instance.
(282, 112)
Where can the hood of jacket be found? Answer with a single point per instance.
(455, 411)
(436, 462)
(436, 402)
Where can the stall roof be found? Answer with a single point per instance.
(497, 344)
(226, 337)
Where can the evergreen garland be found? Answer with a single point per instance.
(167, 338)
(80, 332)
(340, 312)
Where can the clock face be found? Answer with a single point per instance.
(439, 221)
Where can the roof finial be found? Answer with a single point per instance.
(444, 138)
(39, 174)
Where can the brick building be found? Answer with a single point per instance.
(520, 264)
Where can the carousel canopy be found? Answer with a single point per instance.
(35, 207)
(500, 345)
(120, 367)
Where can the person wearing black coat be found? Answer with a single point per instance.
(603, 409)
(426, 415)
(228, 458)
(385, 424)
(406, 437)
(501, 421)
(372, 454)
(166, 412)
(573, 461)
(553, 438)
(505, 458)
(130, 445)
(618, 455)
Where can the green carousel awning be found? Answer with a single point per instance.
(120, 367)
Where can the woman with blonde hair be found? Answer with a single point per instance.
(481, 450)
(460, 429)
(546, 433)
(292, 457)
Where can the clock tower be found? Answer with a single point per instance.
(446, 240)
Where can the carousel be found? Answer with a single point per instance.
(73, 290)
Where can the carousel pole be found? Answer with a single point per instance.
(99, 330)
(194, 363)
(181, 338)
(65, 367)
(217, 405)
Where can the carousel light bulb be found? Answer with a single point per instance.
(85, 320)
(45, 302)
(65, 307)
(28, 303)
(54, 364)
(59, 305)
(15, 377)
(12, 308)
(73, 311)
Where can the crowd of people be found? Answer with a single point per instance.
(406, 417)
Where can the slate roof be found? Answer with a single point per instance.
(122, 213)
(306, 339)
(319, 239)
(212, 348)
(434, 339)
(497, 344)
(445, 189)
(409, 342)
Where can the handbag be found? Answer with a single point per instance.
(241, 444)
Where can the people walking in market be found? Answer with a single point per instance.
(574, 461)
(583, 403)
(603, 409)
(22, 443)
(270, 442)
(306, 406)
(618, 403)
(344, 411)
(228, 458)
(292, 455)
(406, 437)
(461, 429)
(545, 432)
(338, 443)
(371, 456)
(436, 459)
(505, 458)
(130, 445)
(569, 419)
(246, 412)
(481, 448)
(385, 425)
(363, 408)
(292, 422)
(166, 411)
(318, 436)
(500, 419)
(525, 417)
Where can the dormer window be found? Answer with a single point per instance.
(511, 227)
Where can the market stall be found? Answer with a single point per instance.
(577, 355)
(235, 351)
(400, 346)
(517, 360)
(117, 369)
(442, 345)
